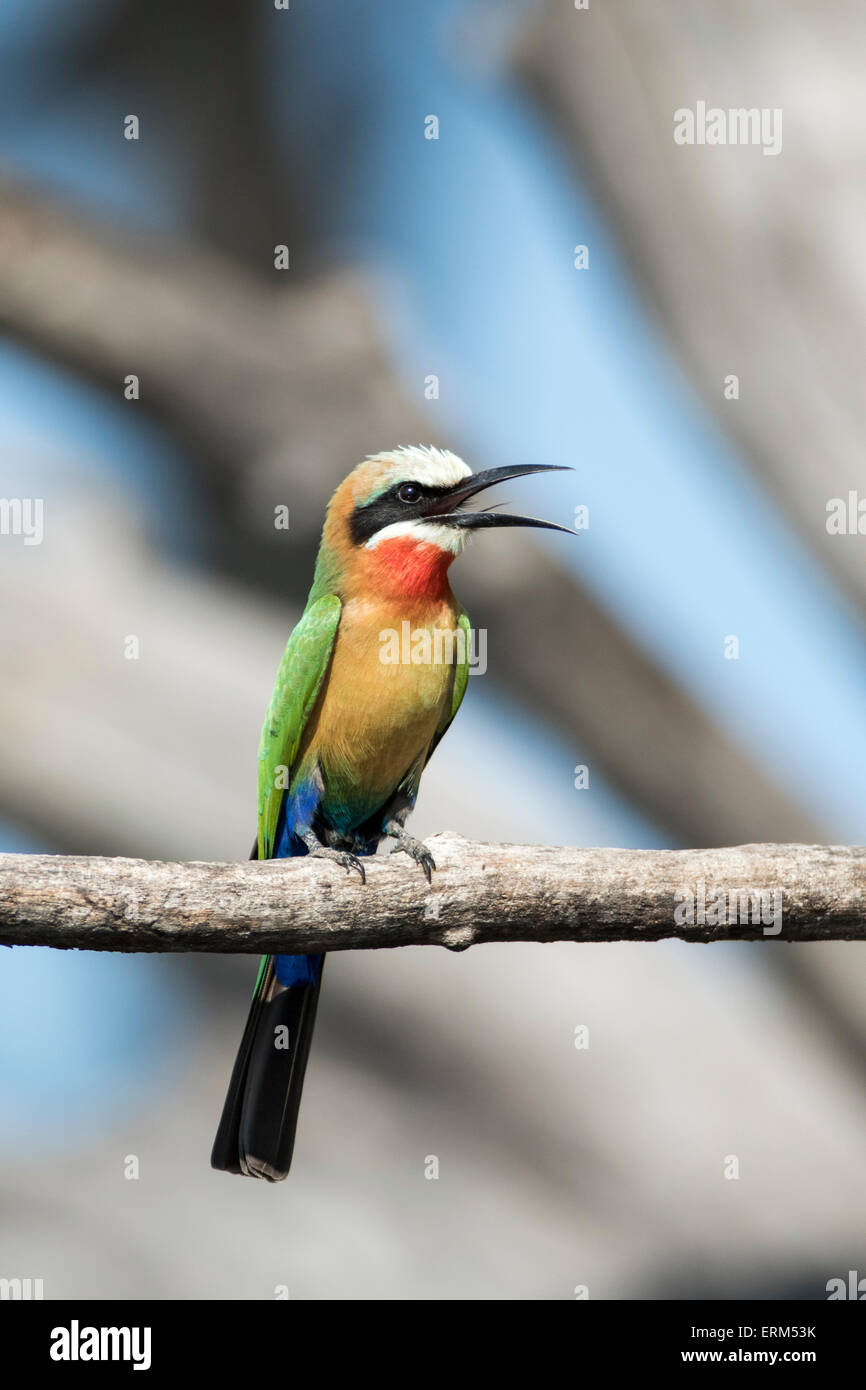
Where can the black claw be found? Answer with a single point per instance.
(351, 861)
(339, 856)
(419, 852)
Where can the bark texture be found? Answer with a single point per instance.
(480, 892)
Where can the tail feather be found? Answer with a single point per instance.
(226, 1148)
(256, 1133)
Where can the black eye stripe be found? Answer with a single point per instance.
(387, 509)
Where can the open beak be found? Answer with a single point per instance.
(444, 507)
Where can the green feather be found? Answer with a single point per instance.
(461, 680)
(461, 673)
(299, 680)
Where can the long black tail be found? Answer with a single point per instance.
(256, 1133)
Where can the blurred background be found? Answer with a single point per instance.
(432, 295)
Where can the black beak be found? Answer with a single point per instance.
(443, 507)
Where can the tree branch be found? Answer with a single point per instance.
(480, 892)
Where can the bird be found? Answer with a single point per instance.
(347, 735)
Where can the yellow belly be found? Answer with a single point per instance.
(388, 689)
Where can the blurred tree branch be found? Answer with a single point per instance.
(210, 101)
(480, 893)
(749, 262)
(246, 372)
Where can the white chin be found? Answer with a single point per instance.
(449, 538)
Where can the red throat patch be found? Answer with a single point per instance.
(414, 568)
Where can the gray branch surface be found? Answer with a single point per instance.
(480, 893)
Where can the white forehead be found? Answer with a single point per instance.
(423, 464)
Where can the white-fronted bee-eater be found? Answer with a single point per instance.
(347, 736)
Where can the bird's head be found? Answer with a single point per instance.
(397, 521)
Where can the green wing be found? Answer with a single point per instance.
(296, 690)
(461, 679)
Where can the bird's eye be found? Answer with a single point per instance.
(409, 492)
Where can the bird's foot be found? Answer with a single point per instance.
(337, 856)
(416, 849)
